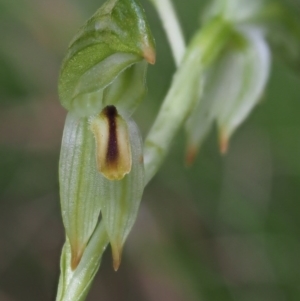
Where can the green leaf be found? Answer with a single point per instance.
(113, 39)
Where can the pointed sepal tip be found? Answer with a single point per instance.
(223, 142)
(76, 255)
(191, 155)
(149, 54)
(117, 250)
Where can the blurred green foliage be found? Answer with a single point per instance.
(226, 229)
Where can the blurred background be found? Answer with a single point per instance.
(225, 229)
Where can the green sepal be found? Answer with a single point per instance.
(244, 72)
(120, 199)
(79, 189)
(203, 116)
(114, 38)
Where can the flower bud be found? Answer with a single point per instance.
(113, 43)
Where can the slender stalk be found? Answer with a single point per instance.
(172, 27)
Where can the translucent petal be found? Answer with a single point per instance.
(79, 184)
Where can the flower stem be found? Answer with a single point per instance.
(74, 285)
(172, 27)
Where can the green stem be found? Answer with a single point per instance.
(74, 285)
(172, 27)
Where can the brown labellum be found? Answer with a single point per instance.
(113, 151)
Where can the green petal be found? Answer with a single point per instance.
(79, 190)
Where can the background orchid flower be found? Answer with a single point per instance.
(235, 83)
(233, 87)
